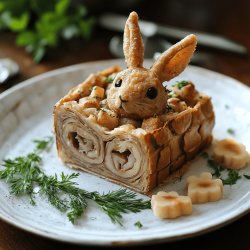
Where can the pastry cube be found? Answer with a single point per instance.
(203, 188)
(231, 154)
(170, 205)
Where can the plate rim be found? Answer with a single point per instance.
(195, 232)
(86, 64)
(122, 243)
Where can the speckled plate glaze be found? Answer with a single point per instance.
(26, 114)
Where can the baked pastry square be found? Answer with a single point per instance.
(126, 127)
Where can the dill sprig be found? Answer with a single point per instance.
(25, 176)
(63, 194)
(120, 201)
(21, 174)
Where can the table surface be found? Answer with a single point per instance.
(225, 18)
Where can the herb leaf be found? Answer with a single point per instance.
(138, 224)
(181, 84)
(232, 175)
(172, 94)
(45, 144)
(232, 178)
(213, 164)
(231, 131)
(246, 176)
(110, 78)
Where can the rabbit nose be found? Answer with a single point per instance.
(122, 100)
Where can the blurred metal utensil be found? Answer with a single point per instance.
(8, 68)
(153, 47)
(116, 22)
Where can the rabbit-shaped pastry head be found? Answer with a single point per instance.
(138, 92)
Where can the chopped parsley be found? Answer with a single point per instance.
(110, 78)
(92, 88)
(230, 131)
(138, 224)
(246, 176)
(232, 178)
(213, 164)
(45, 144)
(172, 94)
(181, 84)
(232, 175)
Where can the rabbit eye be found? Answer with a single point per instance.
(118, 83)
(151, 93)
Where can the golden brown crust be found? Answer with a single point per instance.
(137, 92)
(132, 42)
(84, 89)
(137, 154)
(173, 61)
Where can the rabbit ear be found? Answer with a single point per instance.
(173, 61)
(132, 42)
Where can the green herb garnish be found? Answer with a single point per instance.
(138, 224)
(45, 144)
(232, 175)
(172, 94)
(213, 164)
(110, 78)
(92, 88)
(20, 173)
(230, 131)
(232, 178)
(246, 176)
(181, 84)
(120, 201)
(25, 177)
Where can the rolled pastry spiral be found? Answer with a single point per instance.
(123, 157)
(118, 155)
(79, 142)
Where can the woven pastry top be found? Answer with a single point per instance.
(91, 98)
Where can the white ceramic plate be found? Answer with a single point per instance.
(26, 114)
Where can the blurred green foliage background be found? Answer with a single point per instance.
(40, 24)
